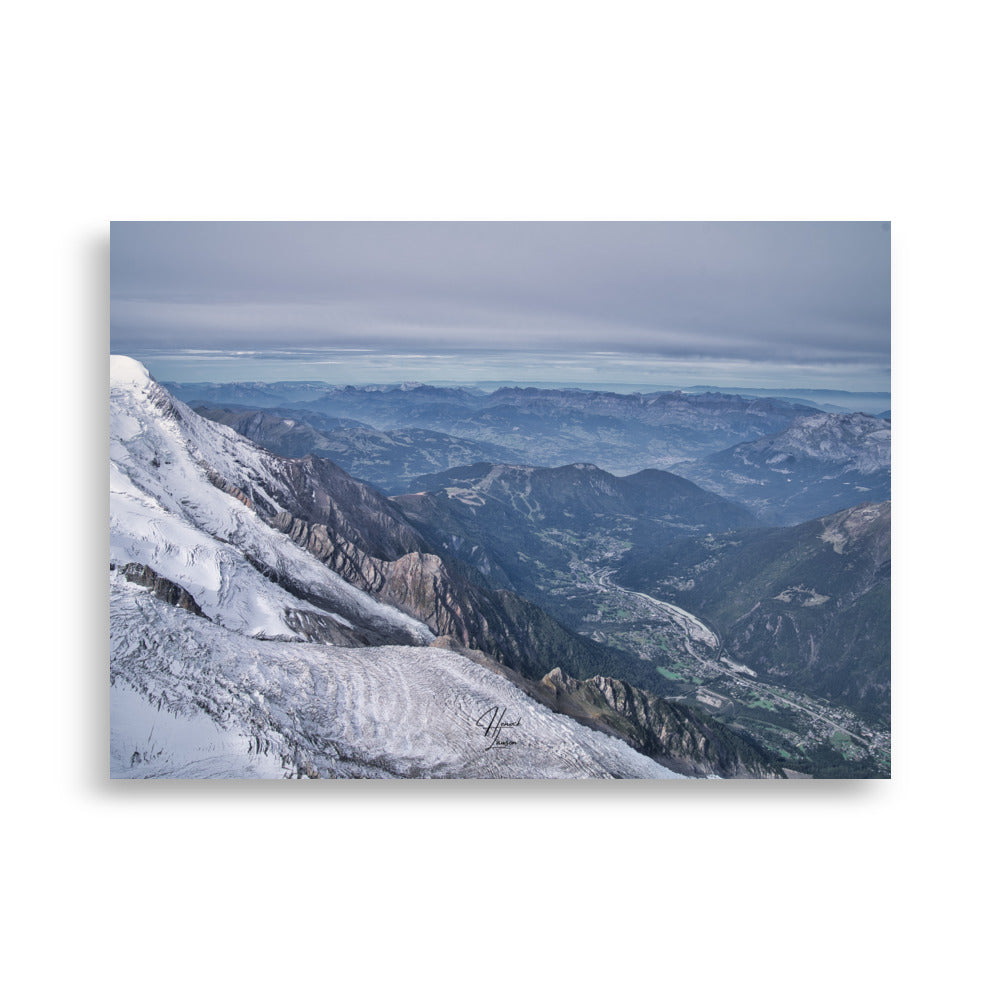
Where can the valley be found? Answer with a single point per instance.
(682, 657)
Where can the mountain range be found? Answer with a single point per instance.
(541, 427)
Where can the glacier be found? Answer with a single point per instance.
(193, 699)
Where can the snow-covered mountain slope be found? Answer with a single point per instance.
(191, 699)
(169, 511)
(856, 441)
(819, 464)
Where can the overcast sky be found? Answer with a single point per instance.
(728, 303)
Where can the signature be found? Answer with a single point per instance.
(493, 725)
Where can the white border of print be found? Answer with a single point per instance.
(454, 111)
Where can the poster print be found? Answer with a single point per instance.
(500, 500)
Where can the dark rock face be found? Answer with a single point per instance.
(682, 738)
(319, 492)
(315, 627)
(164, 589)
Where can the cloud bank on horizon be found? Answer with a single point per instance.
(762, 303)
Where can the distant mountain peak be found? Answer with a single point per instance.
(857, 439)
(820, 463)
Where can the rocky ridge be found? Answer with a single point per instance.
(678, 736)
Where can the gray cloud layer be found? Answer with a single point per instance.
(806, 293)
